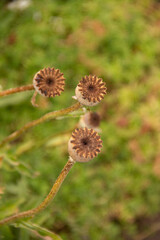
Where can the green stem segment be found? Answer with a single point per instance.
(47, 200)
(16, 90)
(48, 116)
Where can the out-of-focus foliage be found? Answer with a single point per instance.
(117, 40)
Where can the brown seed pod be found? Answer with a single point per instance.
(90, 90)
(49, 82)
(84, 144)
(91, 120)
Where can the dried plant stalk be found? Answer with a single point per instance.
(16, 90)
(44, 118)
(31, 213)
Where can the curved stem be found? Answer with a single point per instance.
(16, 90)
(44, 118)
(33, 100)
(47, 200)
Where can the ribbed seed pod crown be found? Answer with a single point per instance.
(49, 82)
(90, 90)
(84, 144)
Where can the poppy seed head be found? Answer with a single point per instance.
(90, 90)
(92, 119)
(84, 144)
(49, 82)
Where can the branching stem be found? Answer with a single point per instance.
(48, 116)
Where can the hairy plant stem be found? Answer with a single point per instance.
(16, 90)
(48, 116)
(31, 213)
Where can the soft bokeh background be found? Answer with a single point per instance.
(117, 195)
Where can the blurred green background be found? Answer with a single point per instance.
(117, 195)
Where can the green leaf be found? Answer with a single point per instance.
(14, 99)
(5, 233)
(21, 167)
(38, 230)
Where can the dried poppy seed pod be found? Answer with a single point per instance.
(84, 144)
(49, 82)
(90, 90)
(90, 120)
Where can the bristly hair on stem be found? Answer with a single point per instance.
(83, 145)
(56, 186)
(16, 90)
(46, 117)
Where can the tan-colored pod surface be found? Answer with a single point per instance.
(49, 82)
(91, 120)
(84, 144)
(90, 90)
